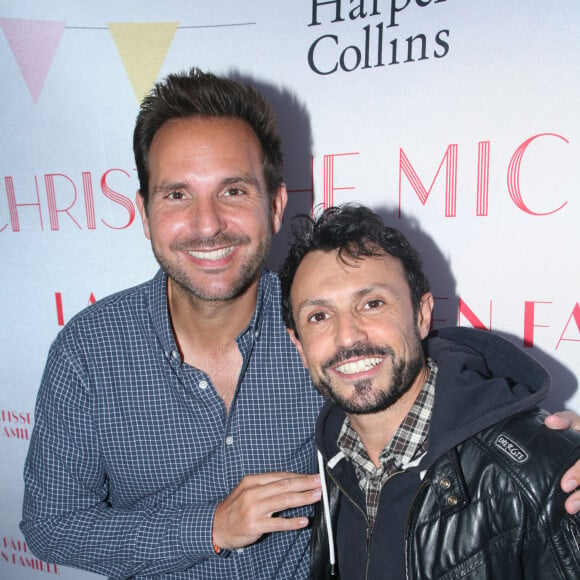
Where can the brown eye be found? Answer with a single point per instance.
(177, 195)
(318, 317)
(234, 192)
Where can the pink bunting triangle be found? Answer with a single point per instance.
(34, 44)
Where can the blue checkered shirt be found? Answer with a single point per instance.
(132, 449)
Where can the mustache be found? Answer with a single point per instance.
(357, 350)
(217, 241)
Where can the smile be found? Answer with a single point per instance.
(212, 255)
(359, 366)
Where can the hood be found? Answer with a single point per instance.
(482, 379)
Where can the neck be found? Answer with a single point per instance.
(207, 325)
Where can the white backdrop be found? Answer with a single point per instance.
(458, 121)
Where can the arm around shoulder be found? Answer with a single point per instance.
(553, 549)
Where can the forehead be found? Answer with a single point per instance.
(198, 138)
(326, 276)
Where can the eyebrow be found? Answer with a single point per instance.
(374, 287)
(168, 187)
(246, 179)
(310, 303)
(313, 302)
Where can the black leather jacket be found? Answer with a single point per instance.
(488, 507)
(491, 508)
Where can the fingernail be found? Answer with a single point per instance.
(575, 506)
(317, 493)
(570, 485)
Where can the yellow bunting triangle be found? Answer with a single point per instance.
(142, 47)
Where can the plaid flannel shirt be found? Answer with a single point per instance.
(408, 443)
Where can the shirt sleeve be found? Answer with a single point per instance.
(68, 518)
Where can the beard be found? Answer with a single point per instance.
(366, 399)
(249, 269)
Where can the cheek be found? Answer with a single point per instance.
(256, 217)
(166, 226)
(317, 350)
(257, 225)
(412, 340)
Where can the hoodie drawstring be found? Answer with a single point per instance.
(326, 513)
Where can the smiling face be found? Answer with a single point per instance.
(209, 217)
(357, 333)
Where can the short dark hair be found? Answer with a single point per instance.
(201, 94)
(355, 231)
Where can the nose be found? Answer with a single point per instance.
(207, 217)
(349, 330)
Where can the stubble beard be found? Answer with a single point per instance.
(365, 399)
(249, 269)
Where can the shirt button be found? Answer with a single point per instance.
(229, 440)
(203, 384)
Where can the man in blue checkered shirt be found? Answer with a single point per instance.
(174, 424)
(174, 428)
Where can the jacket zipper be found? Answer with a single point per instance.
(363, 512)
(370, 530)
(424, 483)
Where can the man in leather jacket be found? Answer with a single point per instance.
(436, 458)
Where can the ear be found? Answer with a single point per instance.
(297, 344)
(279, 201)
(425, 314)
(140, 202)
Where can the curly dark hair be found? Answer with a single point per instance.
(200, 94)
(355, 231)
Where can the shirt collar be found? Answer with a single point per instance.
(159, 312)
(409, 441)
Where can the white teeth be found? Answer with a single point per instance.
(350, 368)
(213, 255)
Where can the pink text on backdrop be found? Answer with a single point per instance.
(83, 215)
(464, 313)
(16, 553)
(62, 200)
(567, 334)
(482, 193)
(16, 424)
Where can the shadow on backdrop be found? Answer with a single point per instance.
(443, 285)
(295, 130)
